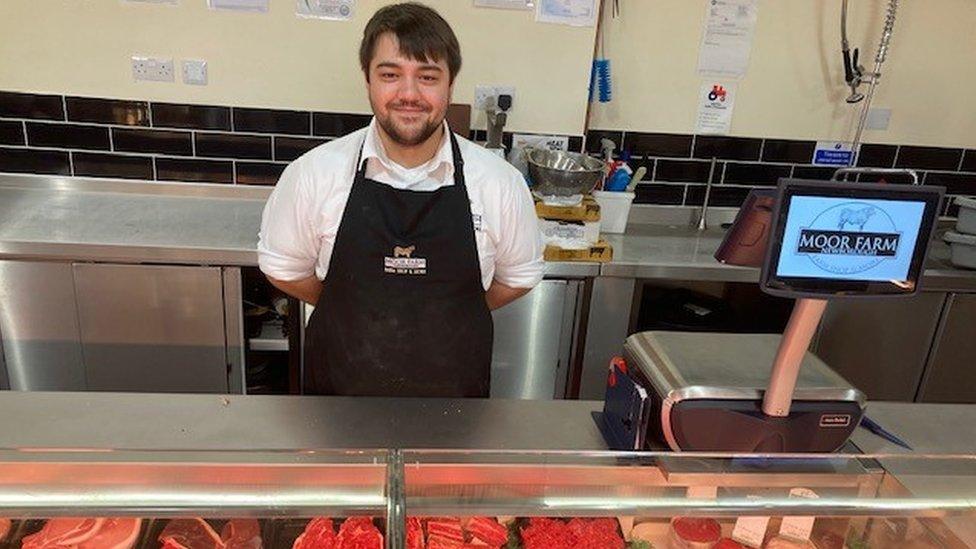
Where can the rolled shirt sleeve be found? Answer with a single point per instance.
(288, 244)
(518, 263)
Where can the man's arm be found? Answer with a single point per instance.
(306, 289)
(499, 295)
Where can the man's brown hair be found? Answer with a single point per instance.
(420, 31)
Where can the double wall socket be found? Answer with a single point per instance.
(154, 69)
(484, 94)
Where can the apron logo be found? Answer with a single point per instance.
(403, 262)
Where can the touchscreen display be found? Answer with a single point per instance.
(841, 238)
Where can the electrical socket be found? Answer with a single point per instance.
(154, 69)
(484, 93)
(195, 72)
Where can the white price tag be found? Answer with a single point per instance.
(750, 531)
(798, 527)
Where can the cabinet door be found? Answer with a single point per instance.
(950, 376)
(152, 328)
(39, 335)
(880, 345)
(528, 342)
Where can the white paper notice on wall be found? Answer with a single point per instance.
(727, 37)
(336, 10)
(239, 5)
(716, 100)
(505, 4)
(577, 13)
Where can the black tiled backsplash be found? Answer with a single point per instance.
(330, 124)
(290, 148)
(108, 111)
(227, 145)
(730, 148)
(11, 132)
(196, 117)
(687, 171)
(969, 161)
(784, 150)
(657, 144)
(258, 173)
(272, 121)
(813, 172)
(194, 170)
(224, 144)
(34, 161)
(877, 156)
(928, 158)
(153, 141)
(112, 165)
(754, 174)
(67, 136)
(30, 105)
(660, 193)
(896, 178)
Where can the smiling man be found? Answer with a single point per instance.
(403, 235)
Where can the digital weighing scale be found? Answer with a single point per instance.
(768, 393)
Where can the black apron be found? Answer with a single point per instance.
(402, 310)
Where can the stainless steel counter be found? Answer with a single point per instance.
(77, 219)
(207, 422)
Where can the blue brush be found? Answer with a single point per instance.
(592, 79)
(604, 83)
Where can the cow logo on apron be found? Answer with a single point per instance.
(403, 262)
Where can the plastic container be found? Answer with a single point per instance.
(963, 249)
(966, 222)
(614, 210)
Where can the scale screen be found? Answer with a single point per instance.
(847, 239)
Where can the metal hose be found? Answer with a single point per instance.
(883, 45)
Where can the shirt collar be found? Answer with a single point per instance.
(373, 148)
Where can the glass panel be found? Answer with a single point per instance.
(92, 499)
(605, 499)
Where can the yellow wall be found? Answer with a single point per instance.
(794, 85)
(83, 47)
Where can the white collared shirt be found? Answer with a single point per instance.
(302, 215)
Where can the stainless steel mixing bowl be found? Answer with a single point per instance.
(561, 173)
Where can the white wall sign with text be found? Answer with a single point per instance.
(715, 104)
(727, 37)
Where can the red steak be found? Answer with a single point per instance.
(319, 534)
(193, 533)
(62, 532)
(241, 534)
(488, 531)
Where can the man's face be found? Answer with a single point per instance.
(408, 97)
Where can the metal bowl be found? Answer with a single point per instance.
(561, 173)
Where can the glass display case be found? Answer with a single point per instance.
(442, 499)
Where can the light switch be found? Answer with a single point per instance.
(195, 72)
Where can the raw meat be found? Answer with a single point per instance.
(115, 533)
(694, 533)
(546, 533)
(781, 542)
(359, 533)
(241, 534)
(62, 532)
(415, 533)
(190, 534)
(4, 528)
(447, 528)
(319, 534)
(487, 530)
(601, 533)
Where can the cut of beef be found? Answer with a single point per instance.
(487, 530)
(115, 533)
(241, 534)
(60, 532)
(359, 533)
(318, 534)
(190, 534)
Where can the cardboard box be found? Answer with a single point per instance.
(587, 210)
(585, 232)
(601, 252)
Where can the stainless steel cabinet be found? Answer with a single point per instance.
(152, 328)
(39, 327)
(951, 373)
(881, 345)
(102, 327)
(534, 342)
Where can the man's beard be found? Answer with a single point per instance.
(411, 139)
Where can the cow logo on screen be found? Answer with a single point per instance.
(850, 238)
(403, 262)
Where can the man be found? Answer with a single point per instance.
(403, 235)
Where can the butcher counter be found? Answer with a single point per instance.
(105, 251)
(283, 459)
